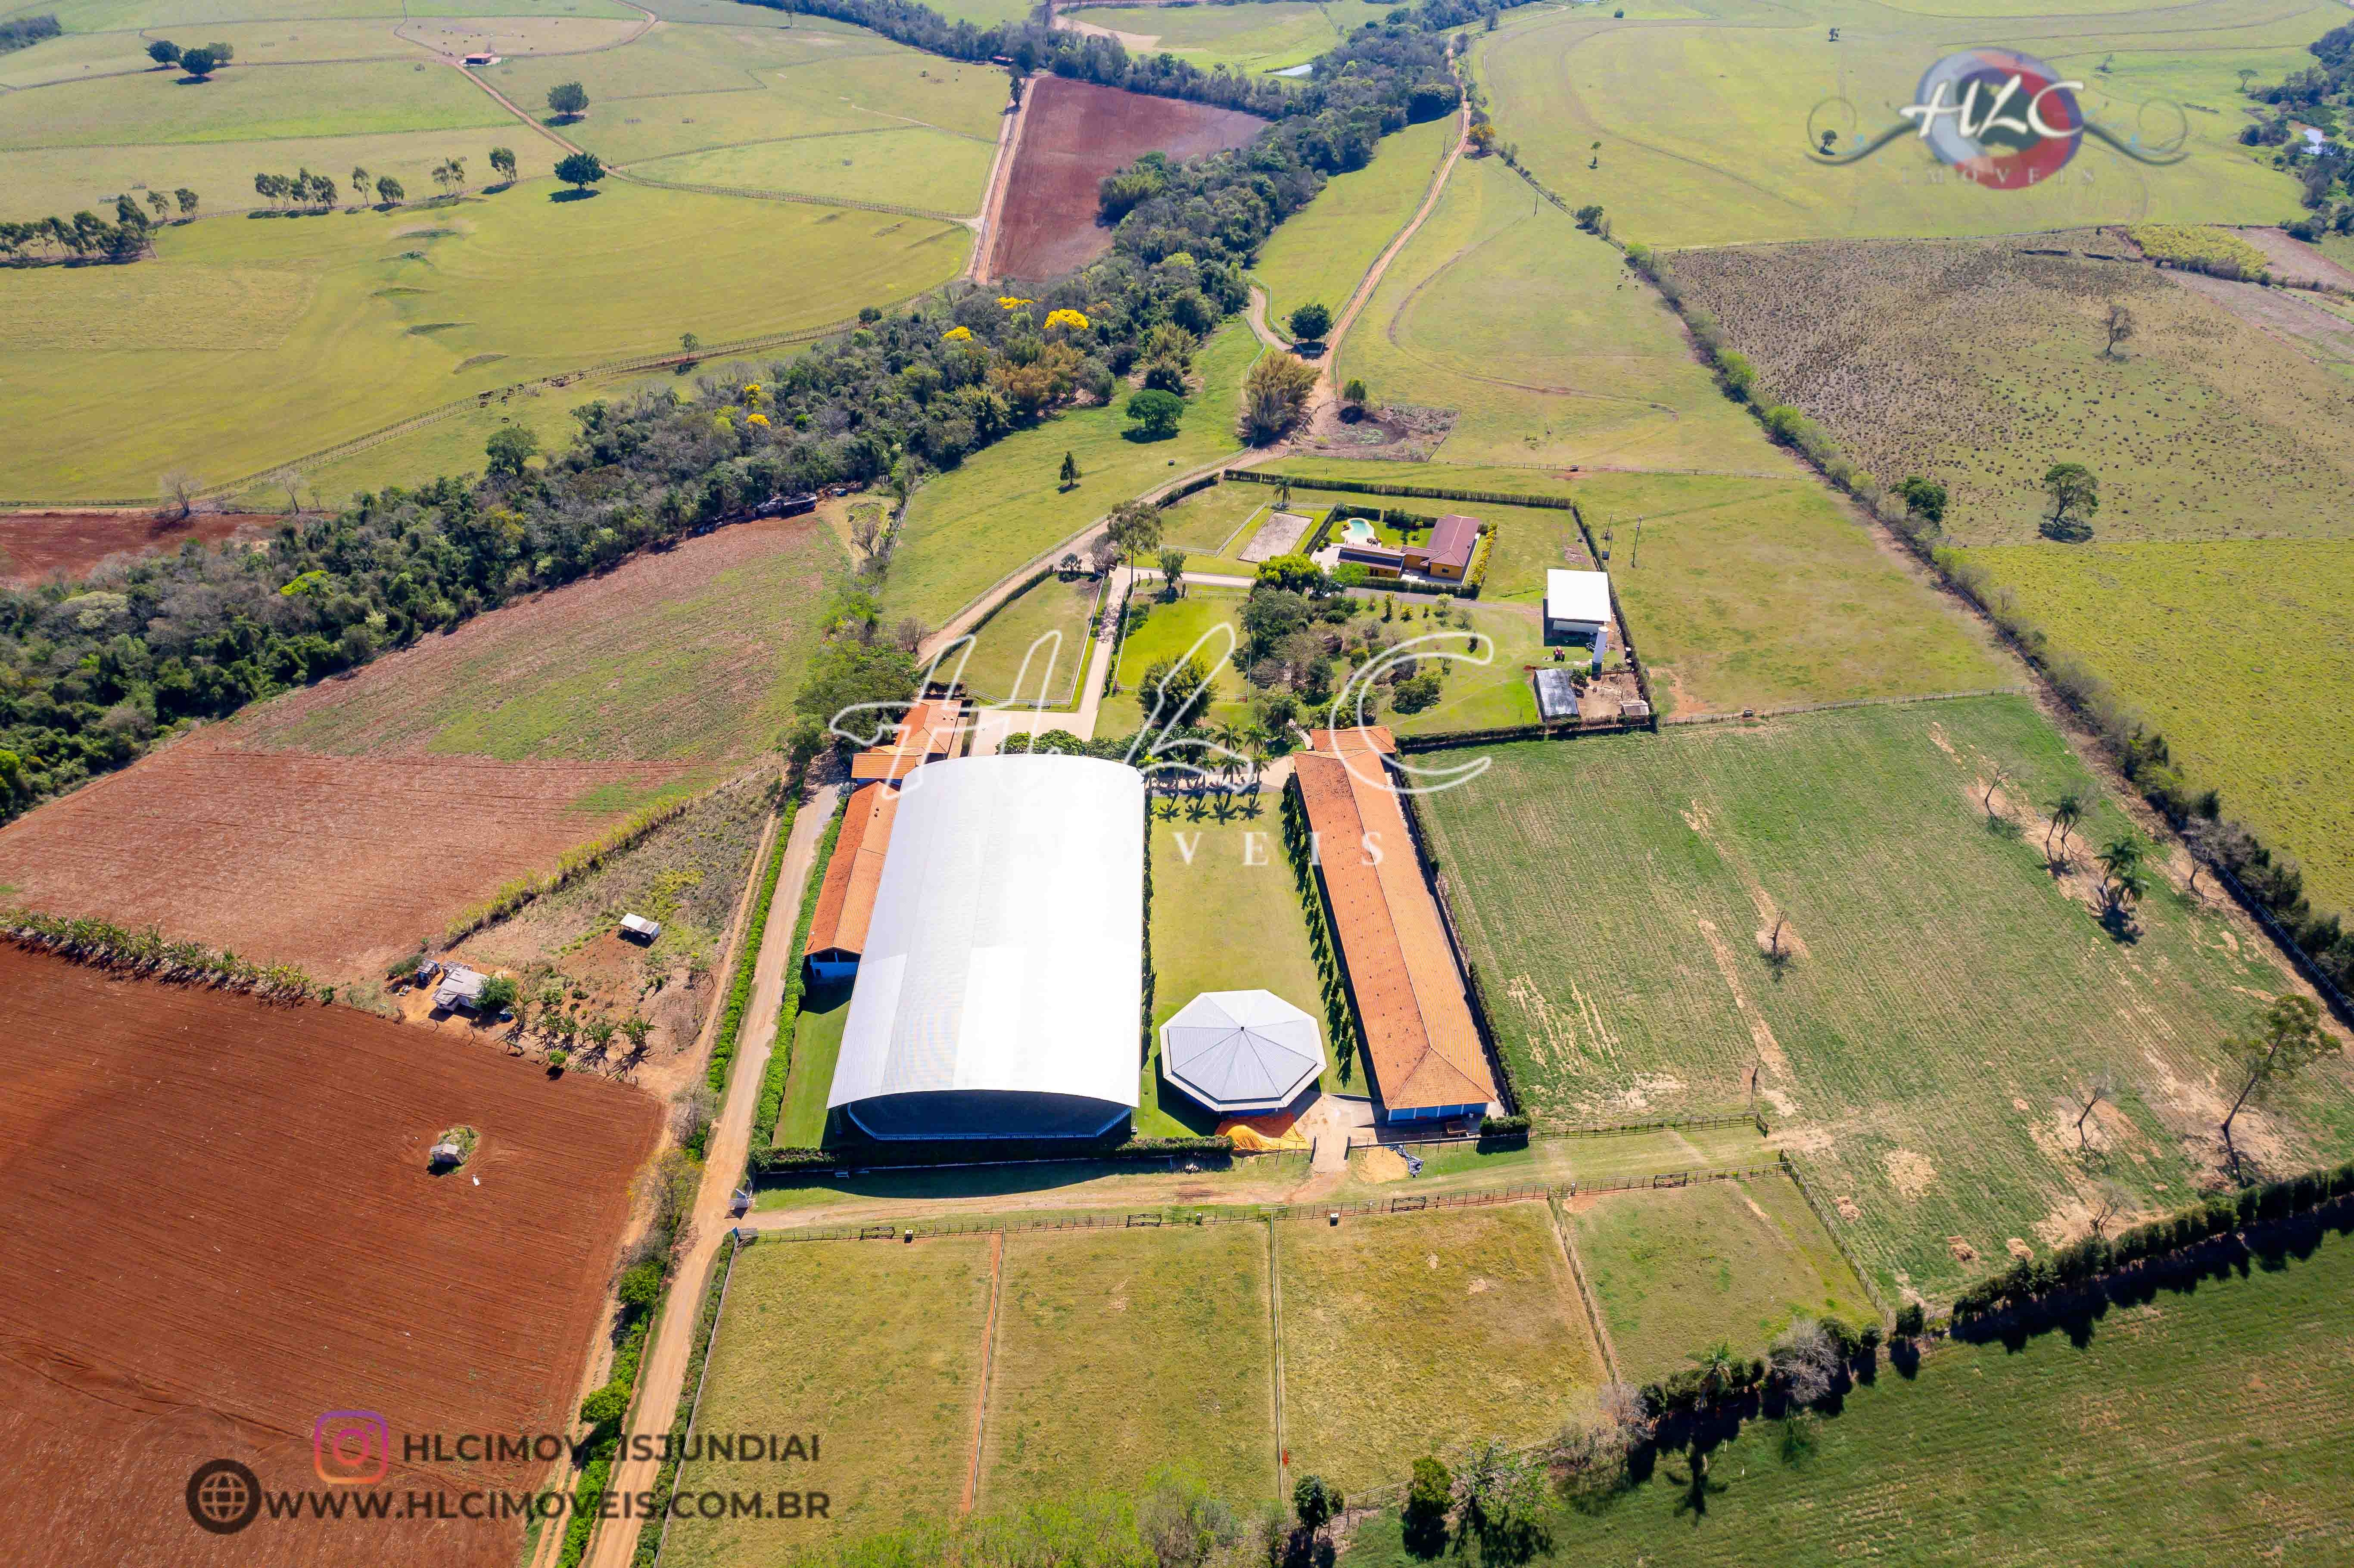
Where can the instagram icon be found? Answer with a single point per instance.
(351, 1447)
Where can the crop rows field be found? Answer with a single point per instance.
(2202, 1425)
(337, 825)
(2202, 426)
(2240, 652)
(1689, 121)
(1941, 994)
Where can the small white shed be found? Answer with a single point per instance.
(1577, 604)
(640, 928)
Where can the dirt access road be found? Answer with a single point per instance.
(731, 1137)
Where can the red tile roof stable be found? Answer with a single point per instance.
(1419, 1031)
(845, 901)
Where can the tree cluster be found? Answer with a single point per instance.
(86, 237)
(301, 191)
(199, 61)
(23, 32)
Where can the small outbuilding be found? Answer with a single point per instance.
(1577, 606)
(1241, 1051)
(1556, 696)
(461, 989)
(638, 928)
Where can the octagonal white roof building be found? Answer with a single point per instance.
(1241, 1051)
(1002, 984)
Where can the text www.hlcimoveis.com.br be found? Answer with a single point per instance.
(393, 1506)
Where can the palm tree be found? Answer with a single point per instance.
(2121, 858)
(2066, 813)
(1716, 1364)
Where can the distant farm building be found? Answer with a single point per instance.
(482, 59)
(1578, 607)
(638, 928)
(1242, 1050)
(1445, 556)
(1001, 974)
(1422, 1043)
(461, 989)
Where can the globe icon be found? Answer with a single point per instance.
(223, 1496)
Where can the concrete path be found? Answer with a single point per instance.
(664, 1375)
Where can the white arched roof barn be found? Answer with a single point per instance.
(1003, 980)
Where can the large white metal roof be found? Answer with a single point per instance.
(1241, 1050)
(1005, 954)
(1577, 595)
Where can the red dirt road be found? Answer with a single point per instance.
(220, 1225)
(1073, 134)
(39, 543)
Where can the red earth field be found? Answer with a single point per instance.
(220, 1226)
(334, 826)
(1073, 134)
(39, 543)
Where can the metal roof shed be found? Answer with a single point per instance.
(1576, 600)
(1241, 1051)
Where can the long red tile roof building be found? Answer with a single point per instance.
(1423, 1042)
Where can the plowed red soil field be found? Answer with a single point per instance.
(335, 826)
(39, 543)
(1073, 134)
(337, 863)
(219, 1226)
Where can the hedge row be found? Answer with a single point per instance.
(597, 1476)
(2087, 1261)
(780, 1067)
(102, 945)
(1340, 1018)
(1710, 1383)
(740, 989)
(650, 1541)
(1419, 492)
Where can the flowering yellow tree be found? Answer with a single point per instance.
(1071, 319)
(759, 420)
(1009, 303)
(956, 334)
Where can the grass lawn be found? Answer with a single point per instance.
(1169, 630)
(906, 165)
(2201, 1425)
(1762, 593)
(2241, 652)
(1322, 252)
(1213, 526)
(153, 108)
(1003, 505)
(878, 1351)
(816, 1046)
(1677, 1269)
(1120, 1352)
(1944, 998)
(1476, 696)
(1681, 161)
(1003, 666)
(1226, 917)
(319, 330)
(1501, 310)
(1390, 1323)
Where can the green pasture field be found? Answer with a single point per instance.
(318, 330)
(1943, 998)
(452, 446)
(1250, 38)
(2204, 1425)
(1410, 1334)
(1491, 695)
(1704, 128)
(906, 165)
(65, 179)
(986, 13)
(694, 89)
(1537, 338)
(1677, 1270)
(1226, 917)
(878, 1350)
(702, 668)
(1322, 252)
(1003, 668)
(247, 105)
(1762, 593)
(1586, 1160)
(2205, 425)
(1118, 1353)
(1005, 506)
(2241, 652)
(1213, 527)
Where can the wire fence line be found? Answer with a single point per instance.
(1262, 1213)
